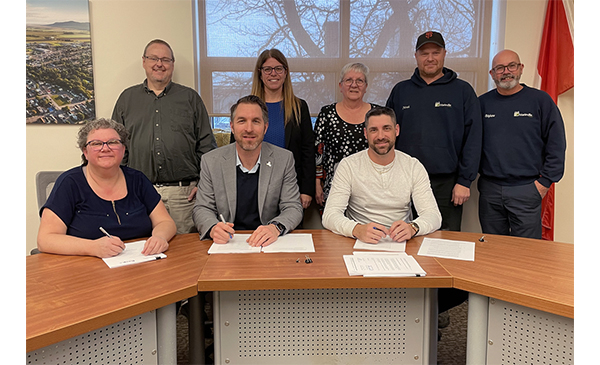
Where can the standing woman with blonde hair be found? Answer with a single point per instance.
(340, 127)
(290, 126)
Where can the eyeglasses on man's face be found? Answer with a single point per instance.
(358, 82)
(153, 60)
(267, 70)
(511, 67)
(97, 145)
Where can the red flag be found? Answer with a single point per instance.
(556, 67)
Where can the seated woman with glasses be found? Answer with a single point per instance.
(102, 193)
(290, 126)
(339, 129)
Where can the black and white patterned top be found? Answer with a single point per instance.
(334, 140)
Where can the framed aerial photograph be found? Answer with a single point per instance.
(59, 78)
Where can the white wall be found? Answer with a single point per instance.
(121, 29)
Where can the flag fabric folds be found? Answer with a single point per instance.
(556, 67)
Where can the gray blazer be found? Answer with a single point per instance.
(278, 194)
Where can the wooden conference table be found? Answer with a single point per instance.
(71, 295)
(533, 273)
(68, 296)
(327, 271)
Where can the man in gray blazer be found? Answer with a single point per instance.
(249, 184)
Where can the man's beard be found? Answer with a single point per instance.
(386, 150)
(249, 146)
(509, 82)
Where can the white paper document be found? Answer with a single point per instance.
(382, 264)
(385, 244)
(447, 249)
(132, 254)
(293, 242)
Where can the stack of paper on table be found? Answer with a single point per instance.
(385, 244)
(371, 264)
(132, 254)
(293, 242)
(447, 249)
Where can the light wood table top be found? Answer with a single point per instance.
(71, 295)
(533, 273)
(262, 271)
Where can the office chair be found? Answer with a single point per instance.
(44, 182)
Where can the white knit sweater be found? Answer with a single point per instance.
(361, 194)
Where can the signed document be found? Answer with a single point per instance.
(385, 244)
(132, 254)
(293, 242)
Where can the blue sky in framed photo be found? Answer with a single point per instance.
(43, 12)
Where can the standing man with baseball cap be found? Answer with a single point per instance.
(440, 124)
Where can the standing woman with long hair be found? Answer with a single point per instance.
(290, 126)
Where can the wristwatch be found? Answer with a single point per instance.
(280, 227)
(415, 227)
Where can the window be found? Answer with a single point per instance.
(319, 37)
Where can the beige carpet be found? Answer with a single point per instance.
(451, 347)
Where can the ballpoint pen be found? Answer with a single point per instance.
(106, 233)
(379, 229)
(225, 222)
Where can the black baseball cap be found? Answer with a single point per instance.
(430, 37)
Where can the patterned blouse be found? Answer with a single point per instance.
(335, 139)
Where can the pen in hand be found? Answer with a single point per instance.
(379, 229)
(225, 222)
(106, 233)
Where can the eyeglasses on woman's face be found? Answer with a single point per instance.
(267, 70)
(97, 145)
(349, 82)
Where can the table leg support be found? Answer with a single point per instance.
(196, 328)
(166, 337)
(477, 329)
(430, 327)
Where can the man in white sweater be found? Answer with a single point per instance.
(372, 190)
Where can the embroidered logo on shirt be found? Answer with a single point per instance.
(439, 105)
(404, 107)
(519, 114)
(489, 116)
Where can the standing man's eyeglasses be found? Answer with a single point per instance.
(512, 67)
(164, 60)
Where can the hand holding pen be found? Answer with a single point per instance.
(222, 232)
(370, 232)
(109, 246)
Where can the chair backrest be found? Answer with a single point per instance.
(44, 182)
